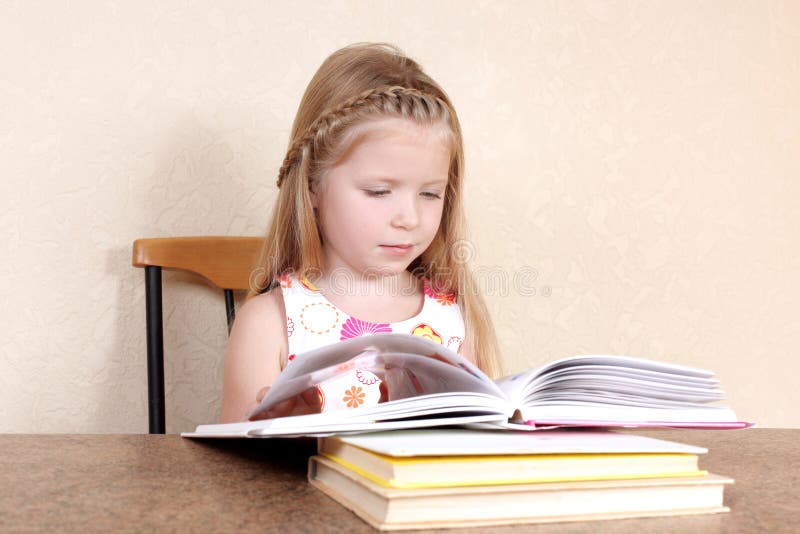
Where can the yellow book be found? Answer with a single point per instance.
(460, 457)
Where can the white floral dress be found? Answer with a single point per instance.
(312, 321)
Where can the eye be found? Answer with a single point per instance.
(377, 192)
(431, 195)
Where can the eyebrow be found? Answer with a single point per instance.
(394, 181)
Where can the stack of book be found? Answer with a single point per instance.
(431, 478)
(407, 474)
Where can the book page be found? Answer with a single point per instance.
(605, 414)
(410, 366)
(331, 427)
(627, 362)
(517, 385)
(431, 410)
(616, 388)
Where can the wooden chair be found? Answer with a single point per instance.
(225, 262)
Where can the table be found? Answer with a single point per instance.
(92, 483)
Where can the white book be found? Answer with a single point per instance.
(466, 442)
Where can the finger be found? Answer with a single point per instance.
(311, 400)
(282, 409)
(279, 410)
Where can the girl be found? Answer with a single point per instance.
(366, 231)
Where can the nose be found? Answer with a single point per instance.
(406, 212)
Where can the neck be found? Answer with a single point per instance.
(345, 282)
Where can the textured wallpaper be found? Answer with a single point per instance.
(632, 183)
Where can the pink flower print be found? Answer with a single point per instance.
(367, 378)
(454, 343)
(353, 327)
(426, 287)
(291, 358)
(344, 367)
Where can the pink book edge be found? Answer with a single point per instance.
(732, 425)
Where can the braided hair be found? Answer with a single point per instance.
(392, 101)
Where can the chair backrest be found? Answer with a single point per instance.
(225, 262)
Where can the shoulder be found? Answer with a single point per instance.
(263, 305)
(261, 321)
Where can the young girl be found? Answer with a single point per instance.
(367, 230)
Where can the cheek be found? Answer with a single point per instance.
(433, 215)
(350, 213)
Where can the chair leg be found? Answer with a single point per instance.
(155, 351)
(230, 308)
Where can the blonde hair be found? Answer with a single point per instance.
(353, 86)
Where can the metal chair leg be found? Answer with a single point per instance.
(155, 351)
(230, 308)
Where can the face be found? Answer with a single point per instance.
(380, 206)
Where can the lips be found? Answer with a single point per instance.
(399, 249)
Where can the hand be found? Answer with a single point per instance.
(305, 403)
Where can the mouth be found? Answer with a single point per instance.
(399, 249)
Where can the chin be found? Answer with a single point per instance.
(387, 270)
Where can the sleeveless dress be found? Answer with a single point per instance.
(312, 321)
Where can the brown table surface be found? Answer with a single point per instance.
(141, 482)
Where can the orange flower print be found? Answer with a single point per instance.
(284, 280)
(427, 332)
(442, 297)
(446, 298)
(353, 397)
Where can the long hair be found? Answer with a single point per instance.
(354, 85)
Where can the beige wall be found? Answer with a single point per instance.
(635, 163)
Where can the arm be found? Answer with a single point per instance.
(253, 355)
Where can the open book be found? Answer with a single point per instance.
(429, 385)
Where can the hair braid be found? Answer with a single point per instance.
(394, 100)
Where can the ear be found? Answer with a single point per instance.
(313, 193)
